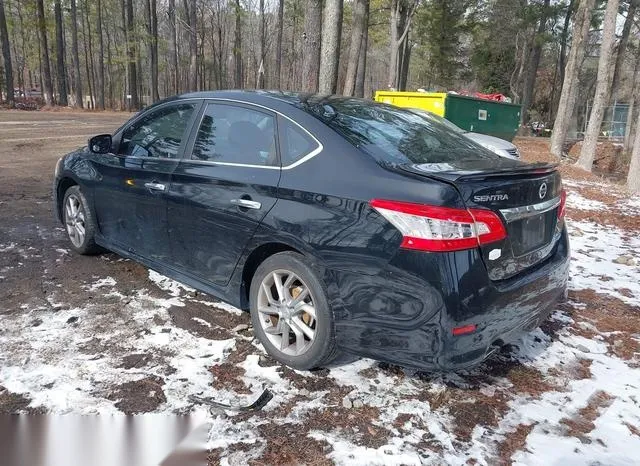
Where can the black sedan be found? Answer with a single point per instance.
(343, 225)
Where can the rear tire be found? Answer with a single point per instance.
(290, 312)
(79, 222)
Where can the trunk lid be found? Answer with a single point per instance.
(525, 196)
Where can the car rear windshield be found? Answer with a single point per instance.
(396, 135)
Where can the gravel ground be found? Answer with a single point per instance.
(105, 335)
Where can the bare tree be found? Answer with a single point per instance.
(152, 32)
(330, 47)
(622, 46)
(262, 52)
(534, 62)
(402, 12)
(154, 51)
(603, 86)
(357, 35)
(6, 55)
(61, 71)
(237, 47)
(74, 54)
(362, 58)
(570, 83)
(311, 45)
(632, 113)
(173, 46)
(101, 84)
(564, 36)
(633, 177)
(44, 51)
(131, 58)
(190, 8)
(278, 71)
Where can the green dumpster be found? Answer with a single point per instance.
(499, 119)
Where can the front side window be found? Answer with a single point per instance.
(233, 134)
(158, 134)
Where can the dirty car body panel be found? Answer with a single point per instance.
(335, 194)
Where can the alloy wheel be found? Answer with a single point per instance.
(287, 312)
(74, 218)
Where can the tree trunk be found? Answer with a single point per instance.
(562, 58)
(100, 90)
(563, 39)
(603, 86)
(633, 177)
(362, 58)
(23, 41)
(152, 32)
(110, 73)
(44, 51)
(311, 45)
(190, 8)
(91, 71)
(330, 47)
(532, 71)
(6, 55)
(278, 71)
(570, 82)
(632, 115)
(405, 56)
(75, 56)
(84, 18)
(237, 47)
(134, 102)
(357, 35)
(522, 48)
(155, 96)
(401, 16)
(262, 64)
(173, 46)
(61, 71)
(622, 46)
(393, 44)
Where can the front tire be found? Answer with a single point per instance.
(290, 312)
(79, 222)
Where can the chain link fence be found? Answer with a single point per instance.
(614, 123)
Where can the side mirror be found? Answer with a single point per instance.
(100, 144)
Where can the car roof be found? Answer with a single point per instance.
(271, 98)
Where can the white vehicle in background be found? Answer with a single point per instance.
(499, 146)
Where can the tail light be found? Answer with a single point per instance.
(563, 203)
(432, 228)
(464, 330)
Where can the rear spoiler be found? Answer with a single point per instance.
(480, 174)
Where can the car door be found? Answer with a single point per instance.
(130, 197)
(222, 189)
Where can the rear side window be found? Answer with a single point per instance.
(234, 134)
(396, 135)
(295, 142)
(158, 134)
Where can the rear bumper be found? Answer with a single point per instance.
(406, 314)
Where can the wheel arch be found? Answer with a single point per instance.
(254, 259)
(63, 185)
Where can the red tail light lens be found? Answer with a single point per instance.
(432, 228)
(563, 203)
(464, 330)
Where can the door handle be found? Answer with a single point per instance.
(246, 203)
(156, 186)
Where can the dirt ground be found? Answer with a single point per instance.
(551, 386)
